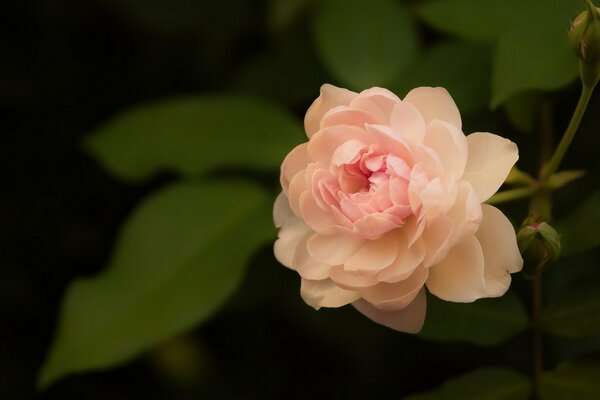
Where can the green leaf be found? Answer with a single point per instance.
(194, 135)
(364, 43)
(179, 256)
(484, 20)
(579, 229)
(571, 381)
(465, 73)
(575, 312)
(485, 322)
(489, 383)
(532, 57)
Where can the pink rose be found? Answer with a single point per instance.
(385, 198)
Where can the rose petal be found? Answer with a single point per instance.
(307, 266)
(344, 115)
(449, 144)
(490, 159)
(374, 255)
(372, 226)
(408, 259)
(378, 102)
(466, 211)
(333, 249)
(281, 210)
(390, 142)
(331, 96)
(435, 103)
(351, 280)
(500, 252)
(294, 162)
(438, 239)
(348, 152)
(324, 143)
(289, 238)
(318, 219)
(409, 319)
(398, 295)
(459, 277)
(325, 293)
(407, 120)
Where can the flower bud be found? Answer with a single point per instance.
(584, 36)
(539, 244)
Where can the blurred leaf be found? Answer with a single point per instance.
(571, 381)
(522, 110)
(282, 13)
(579, 229)
(484, 322)
(475, 19)
(461, 67)
(575, 312)
(185, 16)
(488, 383)
(179, 256)
(365, 43)
(194, 135)
(289, 74)
(532, 57)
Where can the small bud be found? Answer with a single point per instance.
(539, 244)
(584, 36)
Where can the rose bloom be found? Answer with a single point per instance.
(385, 199)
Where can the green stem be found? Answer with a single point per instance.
(565, 142)
(509, 195)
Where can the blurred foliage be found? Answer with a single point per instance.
(193, 105)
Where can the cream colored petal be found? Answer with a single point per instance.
(409, 258)
(438, 239)
(333, 249)
(378, 102)
(466, 211)
(459, 277)
(281, 210)
(409, 319)
(390, 142)
(323, 145)
(490, 159)
(500, 252)
(435, 103)
(294, 162)
(374, 255)
(407, 120)
(317, 218)
(344, 115)
(307, 266)
(351, 280)
(290, 237)
(450, 144)
(325, 293)
(331, 96)
(396, 296)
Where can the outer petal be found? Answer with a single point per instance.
(409, 319)
(435, 103)
(407, 120)
(333, 249)
(460, 276)
(449, 144)
(294, 162)
(374, 255)
(500, 252)
(281, 210)
(325, 293)
(331, 96)
(290, 238)
(490, 159)
(396, 296)
(378, 102)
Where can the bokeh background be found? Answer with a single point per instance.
(67, 67)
